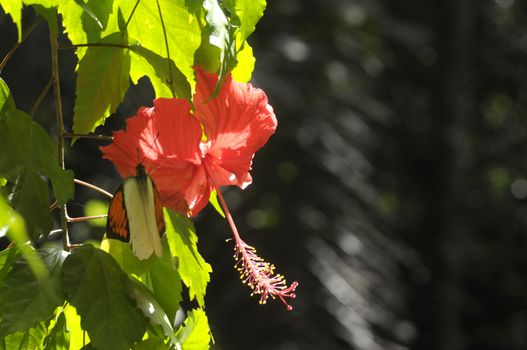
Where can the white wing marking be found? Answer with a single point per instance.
(139, 201)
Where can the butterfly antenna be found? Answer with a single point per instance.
(123, 151)
(148, 150)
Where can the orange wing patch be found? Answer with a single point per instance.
(117, 223)
(160, 219)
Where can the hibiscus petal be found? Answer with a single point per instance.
(126, 149)
(237, 122)
(179, 131)
(166, 140)
(177, 182)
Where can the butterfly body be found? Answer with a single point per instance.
(136, 216)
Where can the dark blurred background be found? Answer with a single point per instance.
(393, 191)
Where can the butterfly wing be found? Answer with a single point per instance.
(117, 223)
(143, 220)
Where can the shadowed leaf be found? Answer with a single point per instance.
(29, 153)
(24, 301)
(182, 239)
(96, 287)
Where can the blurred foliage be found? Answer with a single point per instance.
(394, 190)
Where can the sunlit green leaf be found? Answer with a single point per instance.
(87, 21)
(14, 9)
(165, 281)
(102, 81)
(96, 286)
(150, 344)
(148, 304)
(50, 14)
(146, 62)
(24, 301)
(78, 337)
(13, 224)
(31, 339)
(6, 99)
(123, 255)
(213, 199)
(59, 336)
(244, 69)
(247, 14)
(28, 154)
(195, 333)
(181, 29)
(220, 35)
(48, 10)
(182, 239)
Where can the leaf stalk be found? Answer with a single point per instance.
(60, 126)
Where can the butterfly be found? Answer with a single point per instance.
(135, 215)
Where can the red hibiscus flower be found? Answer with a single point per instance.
(187, 165)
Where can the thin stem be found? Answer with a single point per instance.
(93, 187)
(41, 97)
(166, 45)
(86, 218)
(60, 126)
(24, 36)
(131, 14)
(74, 46)
(88, 136)
(52, 232)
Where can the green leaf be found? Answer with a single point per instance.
(49, 13)
(24, 301)
(14, 9)
(182, 239)
(102, 81)
(28, 153)
(213, 199)
(59, 336)
(96, 286)
(29, 340)
(195, 333)
(6, 100)
(12, 223)
(245, 67)
(220, 35)
(150, 344)
(123, 255)
(181, 28)
(87, 21)
(146, 62)
(78, 337)
(148, 304)
(246, 14)
(165, 281)
(7, 257)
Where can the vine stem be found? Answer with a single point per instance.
(131, 15)
(93, 187)
(86, 218)
(74, 46)
(24, 36)
(89, 136)
(167, 48)
(41, 97)
(60, 126)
